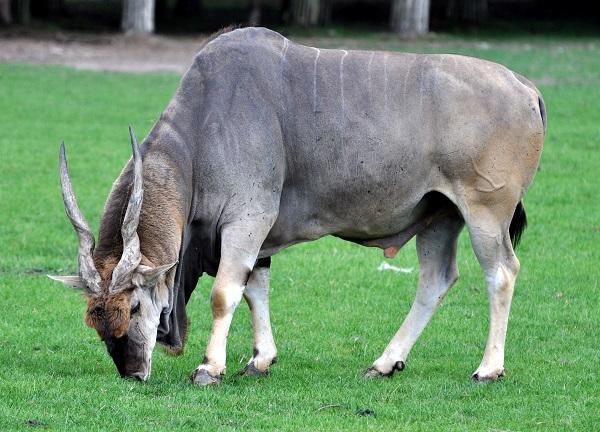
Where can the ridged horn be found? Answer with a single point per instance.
(87, 269)
(131, 242)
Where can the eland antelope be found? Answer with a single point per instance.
(268, 143)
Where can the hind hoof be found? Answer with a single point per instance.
(483, 377)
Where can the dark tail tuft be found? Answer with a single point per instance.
(517, 224)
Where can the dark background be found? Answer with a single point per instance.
(201, 16)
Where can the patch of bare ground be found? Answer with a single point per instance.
(107, 52)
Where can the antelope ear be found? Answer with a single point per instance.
(72, 281)
(146, 276)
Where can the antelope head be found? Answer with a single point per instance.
(125, 303)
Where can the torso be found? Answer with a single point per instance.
(348, 142)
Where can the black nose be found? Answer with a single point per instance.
(137, 376)
(117, 348)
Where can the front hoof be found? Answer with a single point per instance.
(253, 371)
(202, 378)
(483, 377)
(373, 372)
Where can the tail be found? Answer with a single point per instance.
(541, 104)
(517, 224)
(542, 109)
(519, 219)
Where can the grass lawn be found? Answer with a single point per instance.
(333, 312)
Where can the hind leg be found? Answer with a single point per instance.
(436, 249)
(492, 245)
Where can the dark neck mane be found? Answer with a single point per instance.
(161, 219)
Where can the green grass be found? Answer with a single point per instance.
(333, 312)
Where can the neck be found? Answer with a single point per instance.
(162, 216)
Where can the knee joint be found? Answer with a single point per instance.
(224, 301)
(503, 279)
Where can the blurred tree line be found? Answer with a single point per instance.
(405, 17)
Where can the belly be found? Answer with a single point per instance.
(356, 213)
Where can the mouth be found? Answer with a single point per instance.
(130, 362)
(138, 376)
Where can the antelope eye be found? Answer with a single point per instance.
(135, 309)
